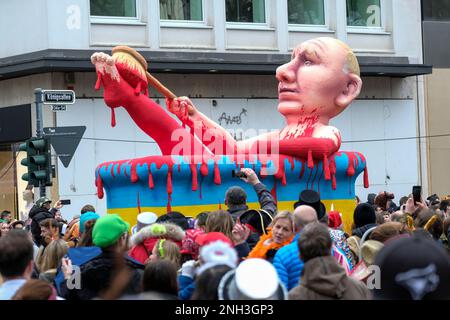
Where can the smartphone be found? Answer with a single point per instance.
(65, 202)
(238, 174)
(417, 194)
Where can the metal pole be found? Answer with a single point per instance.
(39, 127)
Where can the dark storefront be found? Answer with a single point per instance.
(15, 127)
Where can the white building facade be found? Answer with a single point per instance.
(223, 54)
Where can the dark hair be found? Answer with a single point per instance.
(403, 201)
(15, 223)
(87, 208)
(207, 283)
(34, 290)
(5, 213)
(16, 252)
(314, 241)
(235, 196)
(201, 218)
(49, 223)
(174, 217)
(436, 228)
(444, 204)
(86, 238)
(387, 231)
(380, 217)
(447, 227)
(160, 276)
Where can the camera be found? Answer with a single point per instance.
(238, 174)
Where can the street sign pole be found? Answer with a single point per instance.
(39, 128)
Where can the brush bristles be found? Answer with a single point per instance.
(130, 62)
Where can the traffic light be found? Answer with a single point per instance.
(38, 162)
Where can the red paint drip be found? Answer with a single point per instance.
(98, 82)
(99, 184)
(366, 177)
(134, 176)
(318, 181)
(366, 173)
(151, 184)
(112, 171)
(292, 162)
(302, 171)
(138, 203)
(217, 178)
(137, 90)
(194, 176)
(204, 169)
(310, 160)
(351, 163)
(113, 118)
(333, 172)
(169, 190)
(326, 167)
(273, 192)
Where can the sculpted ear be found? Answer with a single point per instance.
(350, 92)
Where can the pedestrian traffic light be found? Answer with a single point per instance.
(38, 162)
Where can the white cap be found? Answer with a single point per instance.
(147, 218)
(257, 279)
(144, 219)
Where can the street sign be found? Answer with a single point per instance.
(60, 97)
(65, 141)
(59, 108)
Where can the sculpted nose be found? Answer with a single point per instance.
(285, 73)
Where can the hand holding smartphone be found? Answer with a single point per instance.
(417, 194)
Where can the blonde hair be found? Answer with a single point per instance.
(168, 250)
(284, 215)
(52, 255)
(351, 62)
(220, 221)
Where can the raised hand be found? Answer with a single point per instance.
(182, 107)
(250, 176)
(240, 233)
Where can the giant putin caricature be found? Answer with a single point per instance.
(198, 155)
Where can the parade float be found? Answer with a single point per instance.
(199, 157)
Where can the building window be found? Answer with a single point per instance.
(190, 10)
(364, 13)
(436, 10)
(114, 8)
(310, 12)
(249, 11)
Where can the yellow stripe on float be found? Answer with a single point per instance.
(345, 207)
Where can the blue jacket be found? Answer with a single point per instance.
(288, 264)
(187, 287)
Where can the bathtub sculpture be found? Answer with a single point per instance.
(195, 168)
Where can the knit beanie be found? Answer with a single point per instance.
(85, 217)
(108, 229)
(364, 214)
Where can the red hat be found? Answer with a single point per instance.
(206, 238)
(334, 219)
(189, 245)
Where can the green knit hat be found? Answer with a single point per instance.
(108, 229)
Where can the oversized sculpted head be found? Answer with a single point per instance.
(322, 79)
